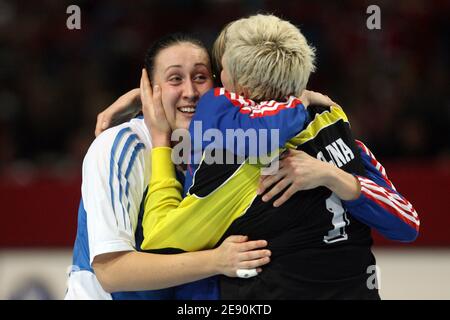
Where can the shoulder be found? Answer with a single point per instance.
(220, 96)
(320, 110)
(215, 96)
(131, 136)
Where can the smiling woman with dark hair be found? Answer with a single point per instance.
(116, 172)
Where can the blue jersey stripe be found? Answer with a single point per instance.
(137, 148)
(126, 147)
(111, 166)
(81, 252)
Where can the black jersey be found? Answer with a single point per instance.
(318, 250)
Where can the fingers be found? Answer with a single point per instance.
(280, 186)
(101, 124)
(145, 96)
(285, 153)
(328, 101)
(286, 196)
(331, 102)
(317, 98)
(254, 259)
(237, 239)
(146, 90)
(269, 181)
(103, 121)
(146, 85)
(243, 254)
(292, 152)
(152, 100)
(321, 99)
(263, 184)
(254, 255)
(157, 99)
(292, 163)
(245, 245)
(304, 97)
(254, 263)
(122, 110)
(262, 178)
(251, 245)
(157, 104)
(141, 90)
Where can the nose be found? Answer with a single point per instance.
(190, 91)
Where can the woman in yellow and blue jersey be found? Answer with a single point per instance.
(318, 250)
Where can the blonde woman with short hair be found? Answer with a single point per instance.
(266, 57)
(318, 251)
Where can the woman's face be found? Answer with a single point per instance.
(228, 84)
(183, 71)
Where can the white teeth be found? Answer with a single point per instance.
(187, 109)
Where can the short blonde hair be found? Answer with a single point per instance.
(218, 50)
(265, 55)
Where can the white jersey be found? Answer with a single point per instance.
(116, 173)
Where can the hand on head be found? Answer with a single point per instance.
(154, 114)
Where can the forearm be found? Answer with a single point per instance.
(135, 271)
(132, 99)
(129, 104)
(385, 210)
(379, 205)
(193, 223)
(164, 193)
(171, 222)
(221, 111)
(343, 184)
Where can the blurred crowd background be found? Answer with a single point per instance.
(393, 82)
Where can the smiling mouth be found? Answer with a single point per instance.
(187, 110)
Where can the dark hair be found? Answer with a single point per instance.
(166, 42)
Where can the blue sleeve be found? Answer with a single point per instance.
(380, 206)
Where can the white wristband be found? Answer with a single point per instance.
(246, 273)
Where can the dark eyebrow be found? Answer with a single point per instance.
(179, 66)
(201, 64)
(173, 66)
